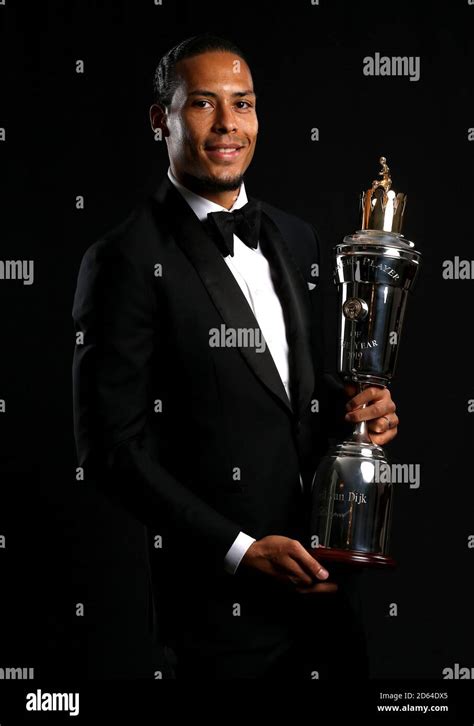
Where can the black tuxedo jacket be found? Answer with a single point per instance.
(201, 442)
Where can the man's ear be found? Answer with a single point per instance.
(158, 119)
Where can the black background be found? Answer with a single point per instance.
(70, 134)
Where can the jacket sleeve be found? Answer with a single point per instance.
(114, 315)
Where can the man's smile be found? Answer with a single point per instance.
(223, 152)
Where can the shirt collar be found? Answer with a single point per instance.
(201, 206)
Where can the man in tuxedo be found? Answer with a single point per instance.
(200, 399)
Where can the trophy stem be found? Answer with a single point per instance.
(361, 432)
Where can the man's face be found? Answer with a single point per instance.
(212, 121)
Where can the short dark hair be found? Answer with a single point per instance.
(165, 80)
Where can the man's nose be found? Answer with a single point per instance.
(224, 120)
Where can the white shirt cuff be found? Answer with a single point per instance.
(236, 551)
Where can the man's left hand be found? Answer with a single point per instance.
(379, 412)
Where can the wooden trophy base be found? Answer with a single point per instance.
(352, 558)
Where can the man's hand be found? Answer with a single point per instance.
(289, 562)
(379, 412)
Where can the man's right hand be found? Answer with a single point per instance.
(289, 562)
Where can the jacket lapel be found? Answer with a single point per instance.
(292, 291)
(232, 304)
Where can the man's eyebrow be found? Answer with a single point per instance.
(203, 92)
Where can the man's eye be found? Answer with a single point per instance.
(202, 101)
(246, 102)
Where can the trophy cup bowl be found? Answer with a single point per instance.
(351, 493)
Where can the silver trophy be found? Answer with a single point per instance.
(352, 491)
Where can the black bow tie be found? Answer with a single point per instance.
(244, 222)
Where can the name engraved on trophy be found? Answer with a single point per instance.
(352, 496)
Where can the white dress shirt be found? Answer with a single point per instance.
(252, 272)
